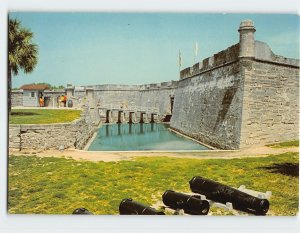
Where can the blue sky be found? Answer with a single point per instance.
(139, 48)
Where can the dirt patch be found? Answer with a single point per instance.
(95, 156)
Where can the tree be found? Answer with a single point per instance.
(22, 53)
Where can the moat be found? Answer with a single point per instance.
(134, 137)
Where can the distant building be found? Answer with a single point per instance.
(32, 93)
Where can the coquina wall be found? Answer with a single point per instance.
(16, 98)
(52, 136)
(270, 102)
(208, 104)
(242, 96)
(154, 96)
(245, 95)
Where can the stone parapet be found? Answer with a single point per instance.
(151, 86)
(263, 52)
(228, 55)
(73, 135)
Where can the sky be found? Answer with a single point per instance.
(139, 48)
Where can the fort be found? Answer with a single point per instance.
(242, 96)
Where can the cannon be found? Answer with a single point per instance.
(218, 192)
(130, 207)
(191, 204)
(82, 211)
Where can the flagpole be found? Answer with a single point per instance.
(196, 52)
(194, 55)
(179, 64)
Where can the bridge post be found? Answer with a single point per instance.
(107, 120)
(141, 117)
(111, 119)
(119, 120)
(121, 117)
(130, 118)
(152, 118)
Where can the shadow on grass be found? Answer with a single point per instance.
(288, 169)
(24, 113)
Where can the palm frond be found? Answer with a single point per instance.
(22, 53)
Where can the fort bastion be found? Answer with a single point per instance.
(242, 96)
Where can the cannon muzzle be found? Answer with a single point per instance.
(130, 207)
(191, 204)
(218, 192)
(82, 211)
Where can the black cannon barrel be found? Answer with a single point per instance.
(130, 207)
(222, 193)
(82, 211)
(191, 204)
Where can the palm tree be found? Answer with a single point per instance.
(22, 53)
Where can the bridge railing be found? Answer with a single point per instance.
(130, 108)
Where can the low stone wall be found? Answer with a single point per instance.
(72, 135)
(14, 136)
(16, 98)
(85, 128)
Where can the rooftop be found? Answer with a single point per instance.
(34, 87)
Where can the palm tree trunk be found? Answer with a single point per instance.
(8, 75)
(9, 90)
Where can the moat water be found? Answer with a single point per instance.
(133, 137)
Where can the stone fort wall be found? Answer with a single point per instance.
(270, 103)
(16, 98)
(72, 135)
(244, 95)
(129, 97)
(208, 106)
(149, 96)
(153, 96)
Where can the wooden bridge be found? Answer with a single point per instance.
(130, 114)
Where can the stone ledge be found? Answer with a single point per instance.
(51, 136)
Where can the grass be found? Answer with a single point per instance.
(285, 144)
(42, 116)
(58, 186)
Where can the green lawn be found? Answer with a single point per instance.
(58, 185)
(285, 144)
(42, 116)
